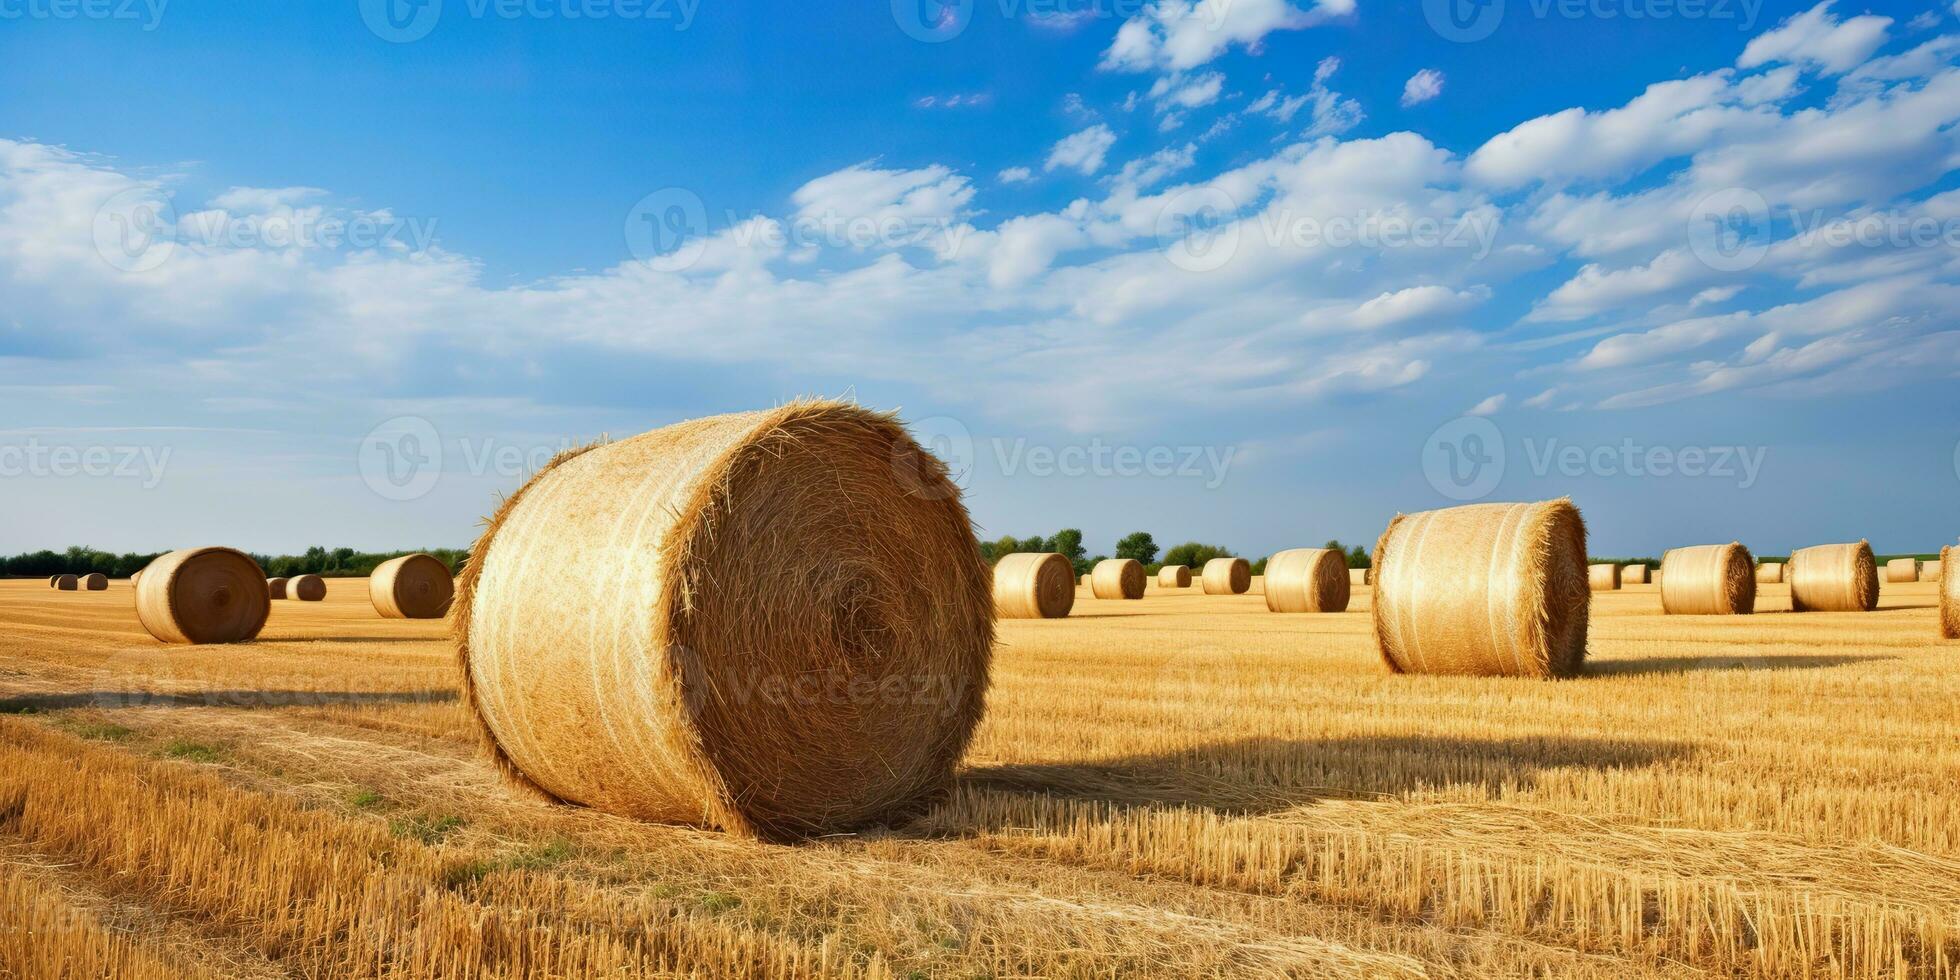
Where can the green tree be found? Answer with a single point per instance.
(1067, 542)
(1139, 545)
(1359, 558)
(1195, 555)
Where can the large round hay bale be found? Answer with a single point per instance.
(276, 587)
(1709, 580)
(93, 582)
(1769, 573)
(1307, 580)
(1492, 589)
(203, 595)
(1633, 574)
(1117, 578)
(1174, 577)
(66, 583)
(1361, 576)
(1033, 585)
(411, 587)
(1227, 576)
(1902, 570)
(1603, 578)
(306, 588)
(1949, 598)
(1929, 571)
(1833, 578)
(715, 674)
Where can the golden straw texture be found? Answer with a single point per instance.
(1833, 578)
(1709, 580)
(791, 635)
(1227, 576)
(1603, 578)
(93, 582)
(1633, 574)
(203, 595)
(1929, 571)
(411, 587)
(66, 583)
(276, 588)
(1902, 570)
(1949, 598)
(1033, 585)
(1307, 580)
(306, 588)
(1117, 578)
(1174, 577)
(1769, 573)
(1493, 589)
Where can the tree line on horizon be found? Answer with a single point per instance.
(324, 562)
(1142, 546)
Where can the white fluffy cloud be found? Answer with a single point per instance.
(1177, 35)
(1082, 152)
(1817, 39)
(1422, 86)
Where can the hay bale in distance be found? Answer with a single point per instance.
(276, 587)
(1902, 570)
(1769, 573)
(1227, 576)
(1833, 578)
(411, 587)
(713, 675)
(1603, 578)
(1086, 580)
(1709, 580)
(66, 583)
(1633, 574)
(54, 581)
(1174, 577)
(1361, 576)
(1929, 571)
(1307, 580)
(203, 595)
(1489, 589)
(93, 582)
(1949, 597)
(306, 588)
(1033, 585)
(1117, 578)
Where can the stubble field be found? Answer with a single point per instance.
(1184, 785)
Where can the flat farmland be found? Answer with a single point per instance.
(1181, 785)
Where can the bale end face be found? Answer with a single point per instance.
(66, 583)
(306, 588)
(276, 588)
(1117, 578)
(412, 587)
(1307, 580)
(1227, 576)
(1034, 585)
(94, 582)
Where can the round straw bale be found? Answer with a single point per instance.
(203, 595)
(1033, 585)
(306, 588)
(1603, 578)
(276, 587)
(1949, 598)
(1493, 589)
(1087, 581)
(1227, 576)
(1361, 576)
(1769, 573)
(1174, 577)
(1633, 574)
(1709, 580)
(1307, 580)
(1902, 570)
(66, 583)
(1833, 578)
(94, 582)
(411, 587)
(54, 581)
(1929, 571)
(715, 674)
(1117, 578)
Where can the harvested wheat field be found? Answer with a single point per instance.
(1184, 785)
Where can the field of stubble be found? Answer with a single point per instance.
(1180, 786)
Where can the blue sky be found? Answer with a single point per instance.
(275, 275)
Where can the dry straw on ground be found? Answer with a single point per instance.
(1833, 578)
(1603, 578)
(276, 587)
(1949, 598)
(714, 674)
(1307, 580)
(93, 582)
(1484, 589)
(1902, 570)
(1117, 578)
(412, 587)
(66, 583)
(1033, 585)
(203, 595)
(1174, 577)
(1633, 574)
(1709, 580)
(306, 588)
(1227, 576)
(1769, 573)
